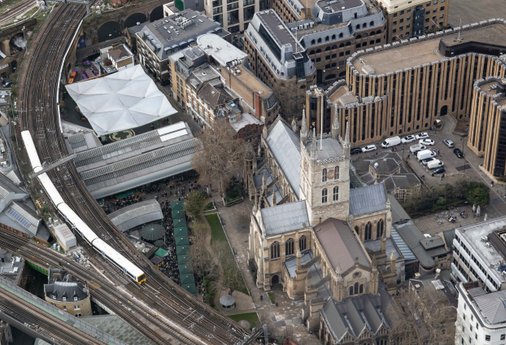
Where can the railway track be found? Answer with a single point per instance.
(38, 112)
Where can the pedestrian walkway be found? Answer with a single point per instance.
(284, 317)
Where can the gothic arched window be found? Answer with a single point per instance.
(336, 173)
(324, 195)
(302, 243)
(324, 175)
(379, 229)
(289, 248)
(335, 193)
(275, 250)
(367, 235)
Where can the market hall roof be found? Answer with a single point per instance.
(119, 101)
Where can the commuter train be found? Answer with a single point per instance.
(74, 220)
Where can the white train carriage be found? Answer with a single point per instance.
(33, 156)
(77, 223)
(120, 261)
(50, 189)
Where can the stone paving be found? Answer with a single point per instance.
(283, 319)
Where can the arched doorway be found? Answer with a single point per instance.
(275, 280)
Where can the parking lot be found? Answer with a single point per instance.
(456, 169)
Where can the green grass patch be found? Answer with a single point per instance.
(271, 297)
(217, 233)
(252, 318)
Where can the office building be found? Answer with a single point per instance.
(234, 15)
(487, 127)
(279, 60)
(479, 254)
(405, 87)
(158, 40)
(481, 316)
(412, 18)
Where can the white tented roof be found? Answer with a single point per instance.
(120, 101)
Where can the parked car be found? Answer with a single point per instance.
(369, 148)
(426, 161)
(426, 141)
(423, 135)
(6, 82)
(458, 152)
(408, 139)
(421, 155)
(438, 171)
(434, 164)
(355, 150)
(449, 143)
(416, 147)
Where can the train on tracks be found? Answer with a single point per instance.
(130, 269)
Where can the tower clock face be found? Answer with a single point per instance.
(330, 174)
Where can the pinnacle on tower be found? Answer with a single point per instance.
(294, 125)
(335, 128)
(303, 127)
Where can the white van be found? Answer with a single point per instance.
(416, 147)
(424, 154)
(434, 164)
(392, 141)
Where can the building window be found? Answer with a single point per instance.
(335, 193)
(379, 229)
(302, 243)
(487, 338)
(324, 195)
(289, 247)
(503, 336)
(275, 250)
(367, 235)
(361, 288)
(336, 173)
(324, 175)
(357, 230)
(350, 291)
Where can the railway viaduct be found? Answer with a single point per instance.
(109, 25)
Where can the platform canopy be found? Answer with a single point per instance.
(119, 101)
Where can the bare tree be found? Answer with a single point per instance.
(222, 156)
(202, 259)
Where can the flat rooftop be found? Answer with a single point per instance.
(277, 28)
(495, 88)
(474, 235)
(338, 5)
(426, 51)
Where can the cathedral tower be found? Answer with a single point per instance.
(325, 174)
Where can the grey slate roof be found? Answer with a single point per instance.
(9, 192)
(285, 147)
(291, 263)
(136, 214)
(69, 290)
(491, 306)
(354, 315)
(24, 216)
(368, 199)
(341, 245)
(285, 218)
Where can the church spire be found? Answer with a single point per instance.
(303, 127)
